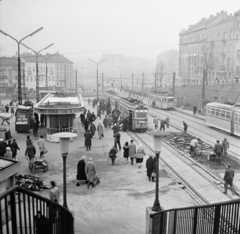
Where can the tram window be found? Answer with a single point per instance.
(208, 110)
(223, 114)
(217, 112)
(212, 111)
(170, 99)
(237, 120)
(228, 115)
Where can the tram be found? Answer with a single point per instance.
(224, 117)
(129, 108)
(162, 101)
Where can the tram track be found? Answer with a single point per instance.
(180, 179)
(176, 126)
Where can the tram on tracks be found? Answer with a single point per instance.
(162, 101)
(130, 108)
(224, 117)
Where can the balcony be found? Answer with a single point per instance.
(25, 212)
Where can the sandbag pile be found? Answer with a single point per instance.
(31, 182)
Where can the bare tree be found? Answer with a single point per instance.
(161, 71)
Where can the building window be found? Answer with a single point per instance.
(230, 47)
(238, 54)
(53, 78)
(231, 34)
(213, 37)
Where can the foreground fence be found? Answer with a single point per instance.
(220, 218)
(24, 212)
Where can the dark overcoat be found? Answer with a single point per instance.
(81, 175)
(150, 166)
(88, 140)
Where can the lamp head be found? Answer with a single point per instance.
(158, 139)
(3, 33)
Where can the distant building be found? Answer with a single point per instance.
(60, 71)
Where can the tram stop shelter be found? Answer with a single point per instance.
(60, 110)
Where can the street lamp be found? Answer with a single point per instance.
(46, 59)
(19, 64)
(64, 138)
(157, 145)
(97, 70)
(37, 78)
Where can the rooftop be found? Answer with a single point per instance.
(8, 61)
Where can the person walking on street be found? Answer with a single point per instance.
(30, 151)
(28, 141)
(90, 171)
(82, 118)
(88, 139)
(126, 152)
(3, 147)
(162, 125)
(86, 124)
(113, 154)
(41, 145)
(140, 155)
(92, 128)
(115, 129)
(15, 148)
(100, 130)
(88, 115)
(105, 122)
(54, 193)
(167, 122)
(228, 178)
(117, 141)
(81, 174)
(194, 110)
(92, 117)
(225, 146)
(185, 127)
(218, 150)
(132, 151)
(150, 167)
(155, 121)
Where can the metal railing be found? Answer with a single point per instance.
(219, 218)
(24, 212)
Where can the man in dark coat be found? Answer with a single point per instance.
(150, 167)
(30, 151)
(81, 175)
(86, 124)
(92, 117)
(125, 124)
(218, 150)
(88, 140)
(88, 115)
(3, 147)
(92, 128)
(82, 117)
(15, 148)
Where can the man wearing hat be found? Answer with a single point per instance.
(30, 151)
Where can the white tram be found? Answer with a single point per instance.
(137, 113)
(224, 117)
(161, 101)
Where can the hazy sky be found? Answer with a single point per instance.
(79, 28)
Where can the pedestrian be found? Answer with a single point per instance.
(88, 115)
(218, 150)
(113, 154)
(100, 129)
(41, 145)
(153, 103)
(140, 155)
(28, 140)
(30, 151)
(9, 144)
(15, 148)
(82, 118)
(86, 124)
(155, 121)
(88, 139)
(228, 179)
(193, 146)
(7, 108)
(126, 152)
(225, 146)
(3, 147)
(117, 141)
(110, 121)
(92, 128)
(92, 117)
(194, 110)
(150, 167)
(105, 122)
(162, 125)
(35, 127)
(8, 153)
(167, 122)
(54, 193)
(81, 174)
(185, 127)
(125, 124)
(99, 112)
(115, 129)
(132, 151)
(90, 171)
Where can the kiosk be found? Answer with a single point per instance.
(23, 119)
(60, 110)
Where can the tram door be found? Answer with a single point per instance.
(130, 119)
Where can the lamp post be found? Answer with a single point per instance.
(97, 70)
(64, 138)
(157, 145)
(46, 59)
(37, 78)
(19, 62)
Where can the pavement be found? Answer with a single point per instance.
(118, 204)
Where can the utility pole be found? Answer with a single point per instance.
(132, 81)
(173, 85)
(76, 83)
(155, 82)
(102, 84)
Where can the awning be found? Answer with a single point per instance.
(5, 116)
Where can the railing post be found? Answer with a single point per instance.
(195, 221)
(13, 212)
(216, 219)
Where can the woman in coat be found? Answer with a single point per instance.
(126, 152)
(90, 171)
(113, 154)
(81, 174)
(150, 167)
(225, 146)
(41, 145)
(132, 151)
(92, 128)
(100, 129)
(140, 155)
(88, 139)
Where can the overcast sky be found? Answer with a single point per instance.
(88, 28)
